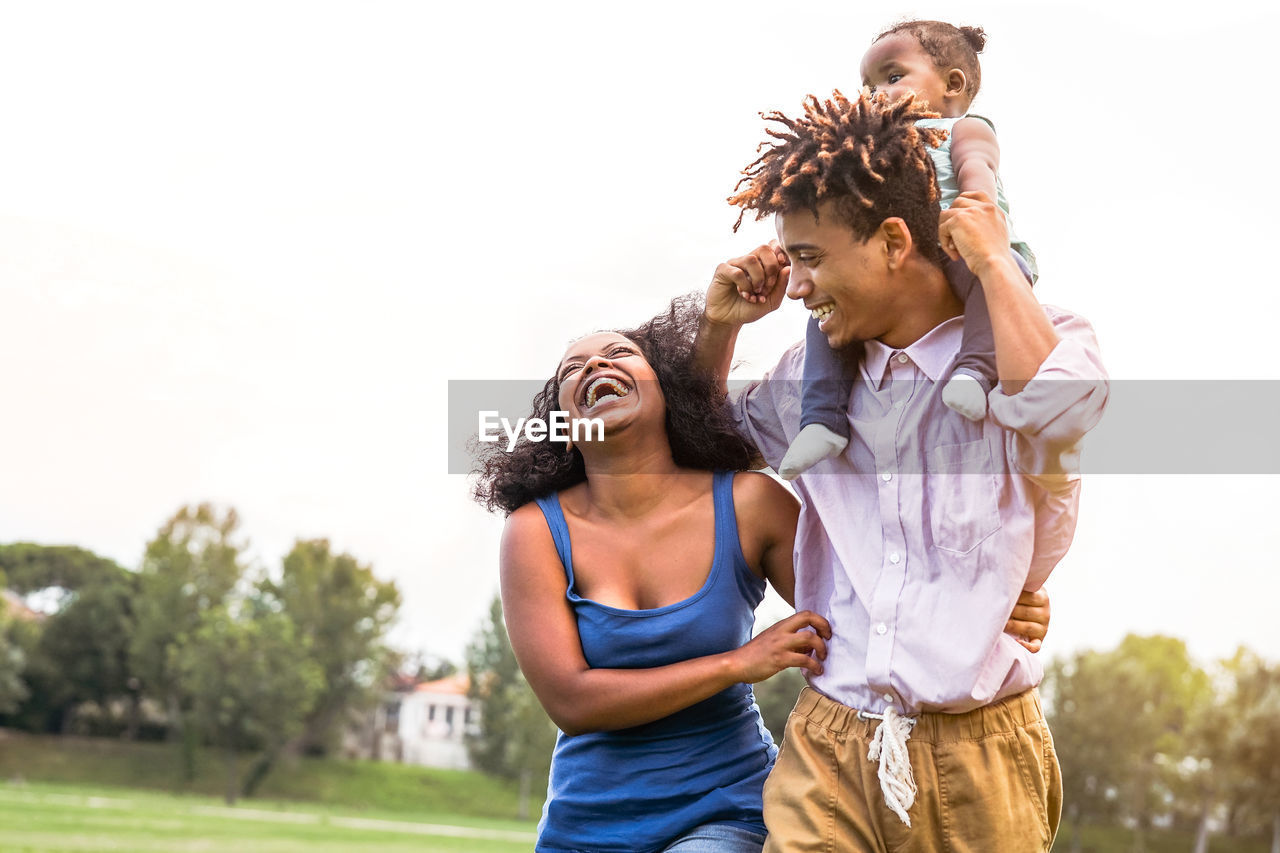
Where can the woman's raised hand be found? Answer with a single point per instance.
(746, 288)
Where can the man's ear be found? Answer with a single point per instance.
(957, 83)
(896, 239)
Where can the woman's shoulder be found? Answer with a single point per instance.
(755, 490)
(530, 523)
(528, 547)
(525, 520)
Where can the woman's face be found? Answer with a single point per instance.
(606, 376)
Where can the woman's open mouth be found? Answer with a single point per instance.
(603, 388)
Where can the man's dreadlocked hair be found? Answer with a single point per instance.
(867, 156)
(948, 46)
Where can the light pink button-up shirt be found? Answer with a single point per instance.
(916, 541)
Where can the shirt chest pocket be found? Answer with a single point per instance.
(960, 492)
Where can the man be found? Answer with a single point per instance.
(924, 731)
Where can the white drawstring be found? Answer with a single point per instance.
(889, 747)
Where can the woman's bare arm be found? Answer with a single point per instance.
(767, 516)
(579, 698)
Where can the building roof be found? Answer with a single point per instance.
(456, 685)
(15, 606)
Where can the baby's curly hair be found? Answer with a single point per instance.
(698, 423)
(948, 46)
(865, 155)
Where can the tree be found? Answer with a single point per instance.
(1205, 771)
(250, 681)
(12, 661)
(28, 567)
(85, 645)
(1252, 749)
(341, 613)
(426, 666)
(516, 737)
(1121, 723)
(1234, 767)
(78, 653)
(12, 690)
(190, 567)
(1084, 724)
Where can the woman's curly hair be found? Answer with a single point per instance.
(699, 425)
(866, 155)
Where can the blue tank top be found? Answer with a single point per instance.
(638, 789)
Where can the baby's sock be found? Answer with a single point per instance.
(810, 446)
(964, 394)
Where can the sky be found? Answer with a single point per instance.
(244, 247)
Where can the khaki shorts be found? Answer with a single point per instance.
(988, 782)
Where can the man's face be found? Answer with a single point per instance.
(843, 280)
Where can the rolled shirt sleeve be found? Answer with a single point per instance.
(1049, 417)
(760, 406)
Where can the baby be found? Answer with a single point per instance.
(938, 63)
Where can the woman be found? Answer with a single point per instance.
(639, 652)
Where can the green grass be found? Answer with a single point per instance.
(1116, 839)
(394, 790)
(82, 794)
(46, 818)
(49, 818)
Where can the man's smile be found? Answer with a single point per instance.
(822, 312)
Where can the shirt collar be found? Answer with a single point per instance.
(932, 353)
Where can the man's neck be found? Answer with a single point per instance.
(927, 301)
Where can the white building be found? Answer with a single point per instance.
(421, 724)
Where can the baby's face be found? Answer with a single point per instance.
(897, 64)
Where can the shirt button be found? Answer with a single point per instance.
(894, 558)
(886, 476)
(888, 697)
(881, 628)
(902, 358)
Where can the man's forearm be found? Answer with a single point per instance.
(1023, 335)
(975, 228)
